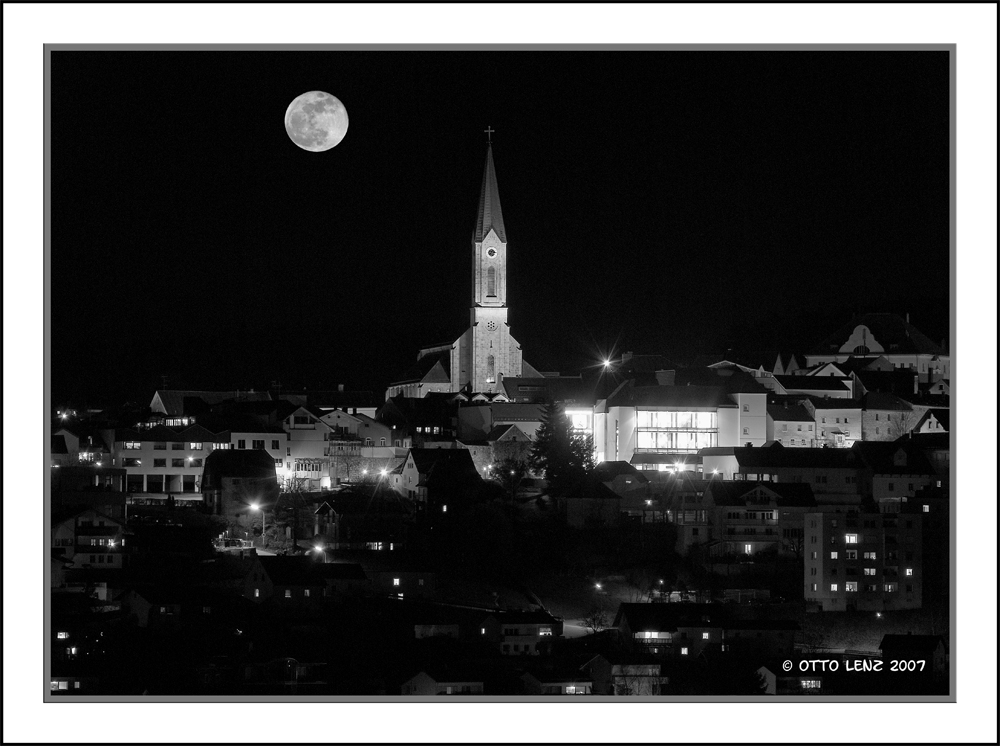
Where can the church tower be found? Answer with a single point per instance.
(486, 352)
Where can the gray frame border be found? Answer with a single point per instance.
(47, 51)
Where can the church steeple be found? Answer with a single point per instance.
(489, 214)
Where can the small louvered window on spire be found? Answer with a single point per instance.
(491, 375)
(491, 281)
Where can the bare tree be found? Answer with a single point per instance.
(901, 423)
(597, 618)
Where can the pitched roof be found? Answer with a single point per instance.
(488, 215)
(248, 464)
(787, 494)
(881, 400)
(788, 413)
(941, 414)
(608, 470)
(176, 402)
(569, 389)
(704, 397)
(888, 330)
(59, 444)
(812, 383)
(776, 456)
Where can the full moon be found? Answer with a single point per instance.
(316, 121)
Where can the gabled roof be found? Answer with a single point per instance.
(441, 462)
(507, 432)
(786, 494)
(668, 617)
(518, 616)
(568, 389)
(893, 457)
(894, 334)
(488, 214)
(242, 463)
(434, 367)
(941, 414)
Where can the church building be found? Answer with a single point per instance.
(478, 360)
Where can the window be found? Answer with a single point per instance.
(926, 508)
(892, 487)
(159, 463)
(815, 587)
(812, 683)
(257, 445)
(889, 587)
(444, 508)
(195, 463)
(851, 554)
(684, 651)
(851, 587)
(176, 446)
(177, 462)
(748, 548)
(275, 445)
(814, 554)
(909, 572)
(704, 635)
(833, 587)
(241, 444)
(131, 445)
(395, 581)
(288, 593)
(869, 571)
(746, 408)
(784, 428)
(491, 281)
(159, 446)
(196, 446)
(871, 555)
(812, 571)
(833, 555)
(421, 580)
(223, 446)
(256, 592)
(850, 538)
(746, 431)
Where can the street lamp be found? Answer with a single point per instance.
(263, 524)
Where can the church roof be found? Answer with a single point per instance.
(489, 215)
(892, 332)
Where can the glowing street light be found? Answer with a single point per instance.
(263, 523)
(597, 586)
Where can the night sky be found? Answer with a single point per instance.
(659, 202)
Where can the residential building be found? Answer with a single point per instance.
(790, 423)
(858, 561)
(446, 681)
(87, 538)
(235, 481)
(625, 676)
(887, 335)
(886, 416)
(838, 421)
(521, 632)
(546, 682)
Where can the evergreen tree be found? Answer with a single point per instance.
(567, 460)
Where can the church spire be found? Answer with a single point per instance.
(489, 214)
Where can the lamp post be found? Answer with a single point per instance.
(263, 524)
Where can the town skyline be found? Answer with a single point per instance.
(802, 187)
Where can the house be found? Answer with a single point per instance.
(235, 480)
(822, 387)
(886, 416)
(790, 423)
(748, 517)
(930, 648)
(434, 476)
(521, 632)
(443, 681)
(863, 561)
(795, 684)
(160, 459)
(556, 682)
(87, 538)
(889, 336)
(176, 606)
(306, 579)
(838, 421)
(622, 478)
(833, 473)
(934, 420)
(240, 574)
(401, 582)
(894, 472)
(625, 676)
(592, 504)
(684, 631)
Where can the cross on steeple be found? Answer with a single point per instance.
(489, 134)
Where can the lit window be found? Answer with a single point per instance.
(444, 508)
(306, 591)
(482, 630)
(288, 593)
(684, 651)
(196, 446)
(815, 587)
(812, 684)
(850, 538)
(909, 572)
(62, 635)
(851, 554)
(256, 592)
(833, 555)
(926, 508)
(420, 581)
(132, 445)
(871, 555)
(890, 588)
(869, 571)
(748, 548)
(64, 685)
(851, 587)
(833, 587)
(395, 581)
(704, 635)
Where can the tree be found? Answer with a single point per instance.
(566, 459)
(901, 424)
(510, 473)
(597, 618)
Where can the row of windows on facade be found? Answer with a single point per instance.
(851, 587)
(136, 445)
(852, 554)
(888, 571)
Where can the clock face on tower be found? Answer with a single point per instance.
(491, 326)
(491, 253)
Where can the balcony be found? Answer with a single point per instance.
(751, 522)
